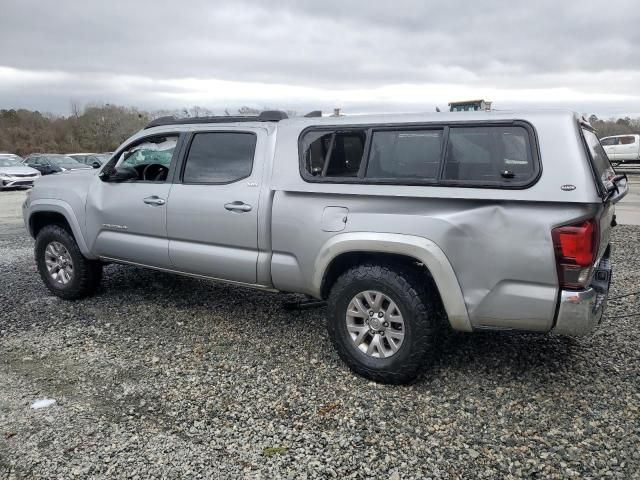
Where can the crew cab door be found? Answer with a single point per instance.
(212, 213)
(126, 220)
(628, 148)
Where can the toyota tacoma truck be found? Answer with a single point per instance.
(622, 148)
(406, 225)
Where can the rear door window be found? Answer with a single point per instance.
(627, 140)
(608, 142)
(489, 155)
(219, 157)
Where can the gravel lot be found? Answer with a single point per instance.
(162, 376)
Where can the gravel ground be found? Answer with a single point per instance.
(162, 376)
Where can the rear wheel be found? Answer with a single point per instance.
(383, 322)
(63, 268)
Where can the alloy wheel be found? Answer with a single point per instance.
(59, 263)
(375, 324)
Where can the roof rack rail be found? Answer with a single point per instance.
(265, 116)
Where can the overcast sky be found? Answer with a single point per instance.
(381, 56)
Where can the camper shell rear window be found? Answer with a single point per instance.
(600, 163)
(478, 154)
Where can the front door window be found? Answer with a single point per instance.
(150, 159)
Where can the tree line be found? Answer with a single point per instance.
(101, 128)
(615, 126)
(94, 128)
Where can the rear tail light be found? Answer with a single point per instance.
(576, 248)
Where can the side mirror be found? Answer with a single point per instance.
(95, 164)
(118, 175)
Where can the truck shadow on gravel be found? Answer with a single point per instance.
(263, 317)
(512, 351)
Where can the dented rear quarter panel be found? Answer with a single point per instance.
(501, 252)
(498, 241)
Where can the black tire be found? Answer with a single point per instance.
(87, 274)
(422, 313)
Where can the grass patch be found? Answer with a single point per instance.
(271, 451)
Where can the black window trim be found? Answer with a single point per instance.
(179, 177)
(174, 158)
(439, 182)
(582, 126)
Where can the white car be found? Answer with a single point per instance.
(14, 174)
(622, 148)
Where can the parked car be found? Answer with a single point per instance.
(404, 224)
(622, 148)
(94, 160)
(14, 174)
(47, 163)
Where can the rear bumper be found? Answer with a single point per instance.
(581, 311)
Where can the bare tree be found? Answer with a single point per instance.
(75, 108)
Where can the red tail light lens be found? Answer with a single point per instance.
(576, 248)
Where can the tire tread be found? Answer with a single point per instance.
(87, 273)
(427, 318)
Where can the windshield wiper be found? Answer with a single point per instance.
(613, 189)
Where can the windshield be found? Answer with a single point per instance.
(10, 161)
(599, 159)
(61, 159)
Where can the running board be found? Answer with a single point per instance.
(303, 304)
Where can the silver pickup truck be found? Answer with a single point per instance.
(405, 224)
(622, 148)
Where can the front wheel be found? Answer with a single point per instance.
(63, 268)
(383, 322)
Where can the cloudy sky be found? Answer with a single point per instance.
(361, 55)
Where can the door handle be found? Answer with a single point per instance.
(237, 206)
(154, 200)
